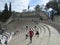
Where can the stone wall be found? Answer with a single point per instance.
(30, 16)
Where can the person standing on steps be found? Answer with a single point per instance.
(6, 42)
(26, 28)
(37, 33)
(31, 33)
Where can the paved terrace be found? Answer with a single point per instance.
(48, 34)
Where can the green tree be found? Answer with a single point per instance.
(37, 8)
(6, 7)
(10, 7)
(10, 12)
(4, 15)
(52, 4)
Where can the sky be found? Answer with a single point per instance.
(19, 5)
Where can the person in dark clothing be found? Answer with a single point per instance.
(1, 31)
(26, 36)
(27, 27)
(37, 33)
(35, 26)
(52, 15)
(5, 42)
(31, 33)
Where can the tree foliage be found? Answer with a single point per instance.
(37, 8)
(5, 13)
(52, 4)
(10, 9)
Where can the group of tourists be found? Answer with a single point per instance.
(30, 34)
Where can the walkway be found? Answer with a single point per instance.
(48, 36)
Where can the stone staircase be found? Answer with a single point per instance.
(48, 35)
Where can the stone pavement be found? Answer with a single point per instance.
(48, 35)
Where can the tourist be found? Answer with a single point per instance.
(35, 26)
(31, 33)
(26, 27)
(37, 33)
(52, 16)
(26, 36)
(5, 42)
